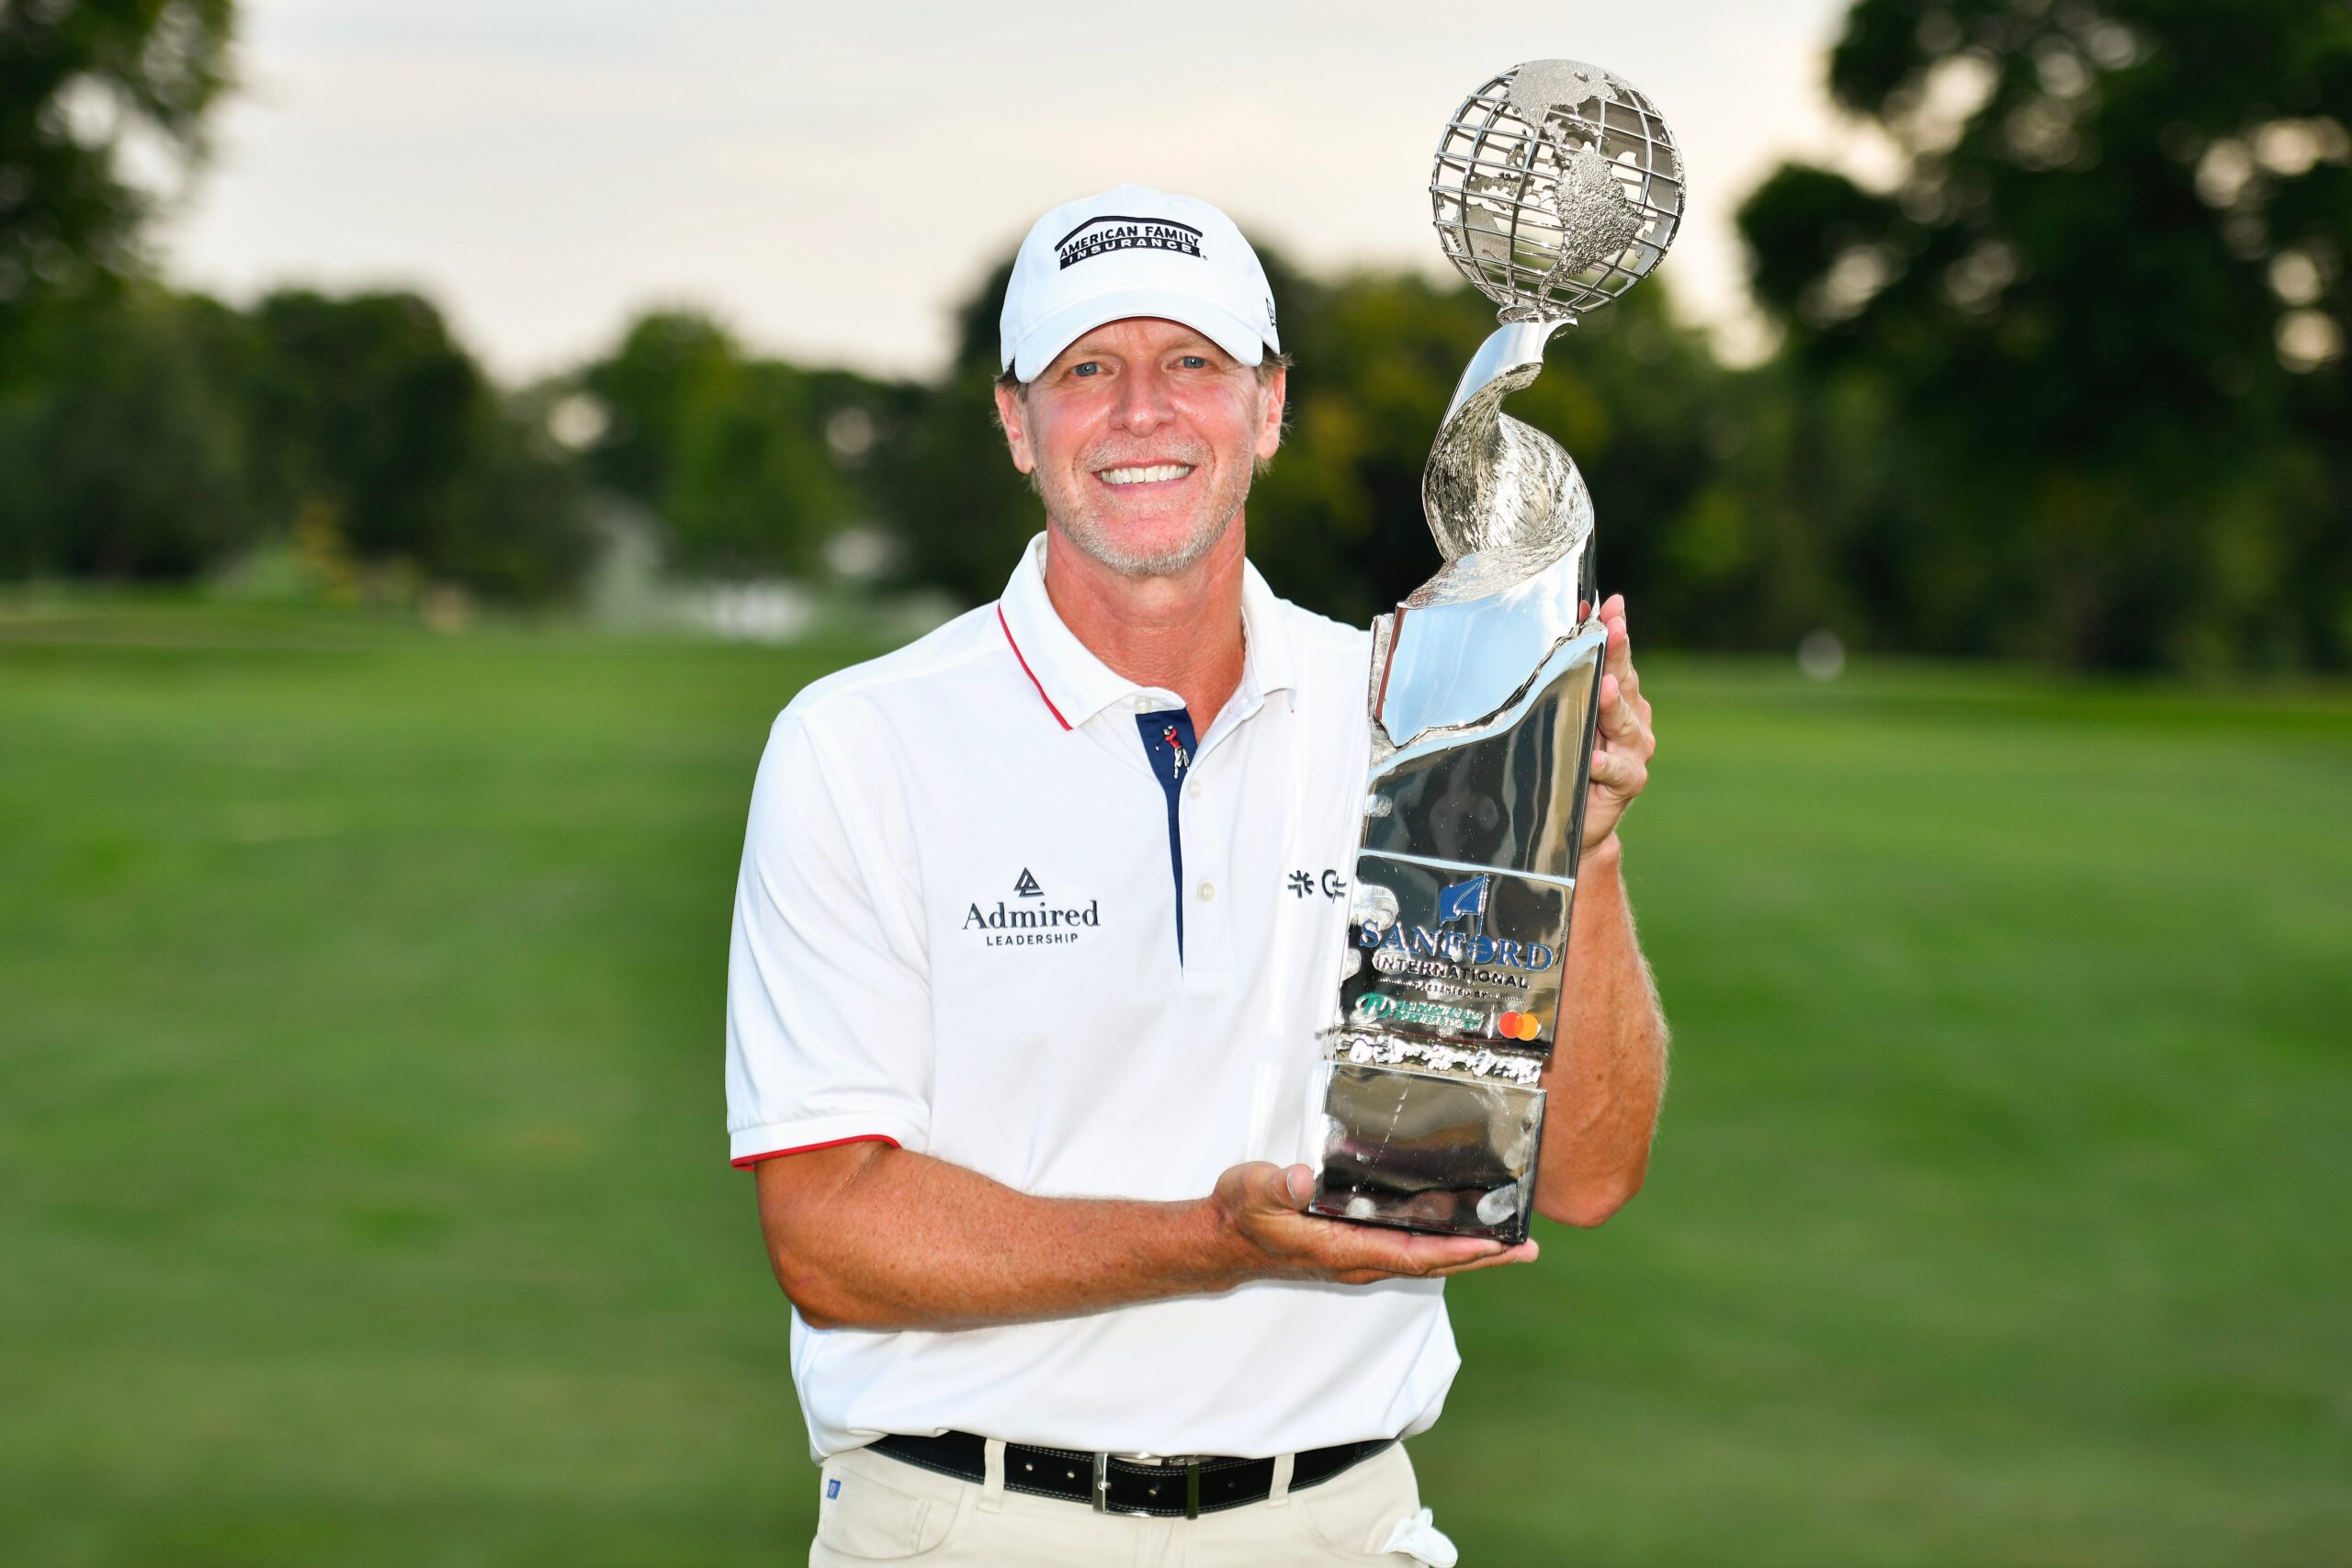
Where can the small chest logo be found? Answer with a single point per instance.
(1175, 744)
(1331, 884)
(1032, 922)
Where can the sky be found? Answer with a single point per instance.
(832, 180)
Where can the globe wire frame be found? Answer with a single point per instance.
(1488, 122)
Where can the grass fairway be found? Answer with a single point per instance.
(363, 1197)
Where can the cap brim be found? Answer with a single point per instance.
(1066, 326)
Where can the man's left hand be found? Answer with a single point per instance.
(1624, 742)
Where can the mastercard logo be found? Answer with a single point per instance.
(1517, 1026)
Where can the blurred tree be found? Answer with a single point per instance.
(645, 390)
(2101, 316)
(119, 455)
(753, 464)
(81, 80)
(1338, 520)
(959, 509)
(752, 486)
(373, 424)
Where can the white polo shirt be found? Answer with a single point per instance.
(957, 931)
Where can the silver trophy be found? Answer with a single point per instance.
(1558, 187)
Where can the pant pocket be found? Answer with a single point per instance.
(863, 1516)
(1352, 1515)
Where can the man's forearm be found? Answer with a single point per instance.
(869, 1236)
(1609, 1071)
(906, 1241)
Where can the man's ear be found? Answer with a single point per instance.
(1272, 396)
(1013, 413)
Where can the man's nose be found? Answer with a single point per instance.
(1143, 404)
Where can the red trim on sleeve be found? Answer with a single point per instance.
(1031, 673)
(747, 1161)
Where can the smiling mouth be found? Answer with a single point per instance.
(1157, 473)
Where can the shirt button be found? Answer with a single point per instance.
(1209, 891)
(1193, 789)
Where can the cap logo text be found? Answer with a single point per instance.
(1119, 232)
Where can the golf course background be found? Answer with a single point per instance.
(363, 1192)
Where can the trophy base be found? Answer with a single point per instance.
(1436, 1152)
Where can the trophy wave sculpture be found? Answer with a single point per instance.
(1557, 188)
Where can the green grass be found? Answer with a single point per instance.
(363, 1200)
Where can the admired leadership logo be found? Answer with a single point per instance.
(1118, 231)
(1033, 922)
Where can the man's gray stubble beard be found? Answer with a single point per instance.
(1098, 546)
(1078, 526)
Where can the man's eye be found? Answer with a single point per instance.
(1086, 368)
(1194, 362)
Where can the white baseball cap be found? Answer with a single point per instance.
(1134, 251)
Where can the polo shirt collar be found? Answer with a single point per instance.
(1266, 631)
(1075, 685)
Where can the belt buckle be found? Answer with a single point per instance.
(1101, 1483)
(1192, 1463)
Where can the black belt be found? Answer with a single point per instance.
(1181, 1486)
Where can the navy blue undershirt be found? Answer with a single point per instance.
(1167, 745)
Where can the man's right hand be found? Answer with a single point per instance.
(866, 1235)
(1263, 1206)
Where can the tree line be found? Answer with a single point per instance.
(2073, 387)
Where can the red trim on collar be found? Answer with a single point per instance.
(1031, 673)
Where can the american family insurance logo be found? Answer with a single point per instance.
(1116, 231)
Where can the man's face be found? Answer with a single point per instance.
(1142, 437)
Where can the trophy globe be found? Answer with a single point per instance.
(1557, 188)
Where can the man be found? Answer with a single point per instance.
(1037, 921)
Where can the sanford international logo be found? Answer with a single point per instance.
(1033, 922)
(1459, 938)
(1118, 231)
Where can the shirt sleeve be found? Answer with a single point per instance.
(828, 988)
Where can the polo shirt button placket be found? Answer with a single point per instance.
(1172, 749)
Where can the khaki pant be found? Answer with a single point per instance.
(885, 1511)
